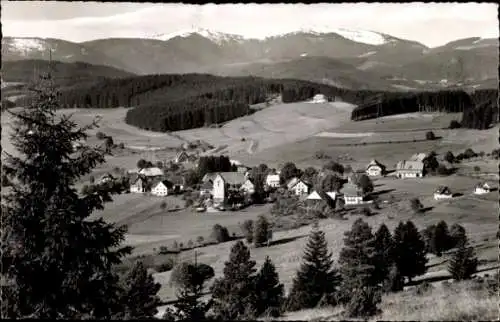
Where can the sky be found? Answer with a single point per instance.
(432, 24)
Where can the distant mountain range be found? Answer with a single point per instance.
(344, 58)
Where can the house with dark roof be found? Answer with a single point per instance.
(442, 192)
(353, 195)
(375, 168)
(138, 184)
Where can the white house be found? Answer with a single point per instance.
(482, 188)
(161, 188)
(225, 181)
(410, 169)
(375, 168)
(138, 185)
(273, 180)
(442, 192)
(319, 98)
(353, 195)
(235, 162)
(151, 172)
(248, 187)
(298, 186)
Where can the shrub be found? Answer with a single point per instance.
(430, 136)
(181, 246)
(163, 250)
(449, 157)
(423, 288)
(190, 244)
(394, 281)
(443, 170)
(366, 211)
(220, 233)
(477, 168)
(121, 145)
(364, 302)
(261, 231)
(416, 205)
(469, 153)
(200, 240)
(163, 205)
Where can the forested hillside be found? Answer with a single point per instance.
(177, 102)
(479, 108)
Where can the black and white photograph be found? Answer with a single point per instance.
(250, 162)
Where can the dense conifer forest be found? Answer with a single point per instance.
(479, 108)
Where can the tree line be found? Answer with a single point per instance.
(479, 108)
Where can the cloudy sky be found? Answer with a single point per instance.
(430, 24)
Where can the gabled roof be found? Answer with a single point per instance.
(233, 177)
(410, 165)
(443, 190)
(294, 181)
(135, 178)
(166, 183)
(209, 176)
(321, 195)
(375, 163)
(483, 185)
(151, 172)
(273, 177)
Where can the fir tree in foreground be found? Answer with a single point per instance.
(269, 290)
(140, 294)
(409, 250)
(463, 263)
(384, 249)
(56, 260)
(190, 280)
(233, 295)
(357, 259)
(315, 280)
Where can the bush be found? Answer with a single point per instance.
(163, 205)
(366, 211)
(220, 233)
(469, 153)
(163, 250)
(423, 288)
(416, 205)
(101, 135)
(443, 170)
(430, 136)
(449, 157)
(261, 231)
(477, 168)
(165, 266)
(190, 244)
(364, 302)
(200, 240)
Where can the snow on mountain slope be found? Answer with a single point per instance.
(362, 36)
(215, 36)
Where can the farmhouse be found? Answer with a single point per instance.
(410, 169)
(178, 183)
(225, 181)
(375, 168)
(319, 98)
(138, 184)
(209, 177)
(353, 195)
(273, 180)
(298, 186)
(482, 188)
(161, 188)
(151, 172)
(442, 192)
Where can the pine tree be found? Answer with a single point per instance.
(440, 240)
(316, 279)
(464, 262)
(261, 231)
(268, 287)
(140, 294)
(233, 295)
(384, 249)
(457, 235)
(190, 280)
(358, 259)
(409, 250)
(56, 261)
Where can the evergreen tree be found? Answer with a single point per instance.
(409, 250)
(189, 280)
(384, 249)
(358, 258)
(440, 240)
(394, 281)
(315, 279)
(56, 261)
(247, 229)
(464, 262)
(234, 295)
(457, 235)
(364, 301)
(261, 231)
(269, 289)
(140, 294)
